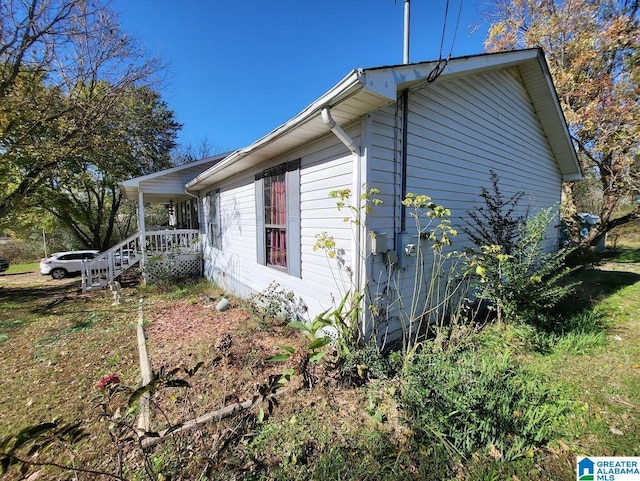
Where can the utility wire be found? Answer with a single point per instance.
(455, 32)
(444, 29)
(440, 65)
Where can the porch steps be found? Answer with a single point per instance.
(109, 265)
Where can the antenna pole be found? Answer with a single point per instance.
(407, 18)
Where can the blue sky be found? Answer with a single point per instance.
(238, 69)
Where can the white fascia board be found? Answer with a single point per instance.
(132, 187)
(135, 182)
(553, 120)
(387, 81)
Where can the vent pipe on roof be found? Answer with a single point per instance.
(407, 22)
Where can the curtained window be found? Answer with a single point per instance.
(275, 217)
(278, 217)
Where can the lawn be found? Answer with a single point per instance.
(56, 344)
(21, 268)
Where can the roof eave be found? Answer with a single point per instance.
(372, 88)
(132, 187)
(555, 126)
(352, 87)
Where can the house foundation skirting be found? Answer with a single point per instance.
(159, 266)
(227, 282)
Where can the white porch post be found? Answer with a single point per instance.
(143, 234)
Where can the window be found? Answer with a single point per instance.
(213, 224)
(278, 217)
(77, 256)
(275, 216)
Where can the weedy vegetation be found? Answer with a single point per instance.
(506, 387)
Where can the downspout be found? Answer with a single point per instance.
(356, 188)
(338, 132)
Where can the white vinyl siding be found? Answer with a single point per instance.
(458, 132)
(325, 165)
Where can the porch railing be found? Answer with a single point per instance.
(183, 241)
(109, 265)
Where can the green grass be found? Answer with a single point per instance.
(600, 366)
(21, 268)
(56, 343)
(626, 253)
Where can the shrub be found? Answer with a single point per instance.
(530, 279)
(361, 365)
(275, 302)
(473, 399)
(517, 267)
(495, 222)
(21, 252)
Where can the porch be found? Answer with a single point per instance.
(174, 245)
(176, 249)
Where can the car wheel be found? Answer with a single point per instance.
(58, 273)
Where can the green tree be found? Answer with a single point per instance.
(593, 51)
(66, 68)
(133, 140)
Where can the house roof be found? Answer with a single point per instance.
(168, 183)
(365, 90)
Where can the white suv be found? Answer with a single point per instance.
(61, 264)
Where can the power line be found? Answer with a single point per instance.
(444, 29)
(440, 65)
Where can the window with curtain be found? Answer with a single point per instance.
(278, 217)
(275, 216)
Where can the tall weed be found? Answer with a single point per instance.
(471, 399)
(527, 274)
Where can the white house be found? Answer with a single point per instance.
(430, 128)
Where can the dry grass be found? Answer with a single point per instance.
(58, 343)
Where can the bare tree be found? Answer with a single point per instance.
(187, 153)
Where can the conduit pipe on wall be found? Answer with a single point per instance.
(357, 248)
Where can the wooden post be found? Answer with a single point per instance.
(144, 419)
(143, 235)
